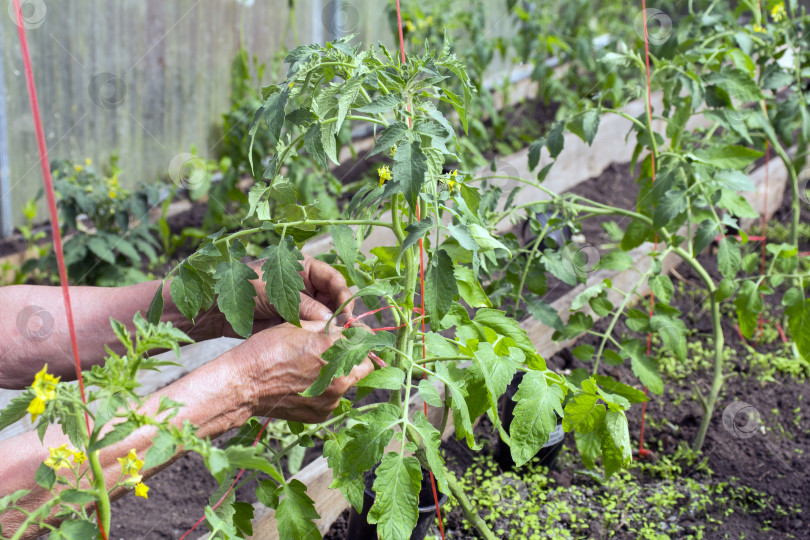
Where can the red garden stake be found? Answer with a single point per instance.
(421, 284)
(52, 212)
(641, 451)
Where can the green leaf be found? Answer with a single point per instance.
(582, 413)
(461, 415)
(235, 294)
(616, 451)
(484, 240)
(397, 488)
(156, 306)
(366, 441)
(381, 104)
(273, 112)
(16, 409)
(470, 288)
(462, 235)
(429, 394)
(432, 439)
(76, 496)
(391, 136)
(728, 257)
(162, 450)
(535, 416)
(727, 157)
(45, 477)
(296, 513)
(267, 493)
(798, 312)
(748, 305)
(542, 310)
(388, 378)
(415, 230)
(498, 372)
(555, 140)
(635, 235)
(662, 288)
(76, 530)
(313, 144)
(505, 326)
(410, 167)
(346, 353)
(186, 291)
(644, 367)
(534, 153)
(440, 286)
(101, 249)
(118, 433)
(612, 386)
(283, 281)
(243, 517)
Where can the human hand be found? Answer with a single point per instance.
(274, 366)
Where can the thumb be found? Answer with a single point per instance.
(312, 310)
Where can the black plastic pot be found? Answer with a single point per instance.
(360, 529)
(555, 238)
(503, 454)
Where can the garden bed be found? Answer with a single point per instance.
(748, 483)
(186, 488)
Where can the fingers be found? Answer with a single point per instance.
(312, 310)
(328, 281)
(359, 372)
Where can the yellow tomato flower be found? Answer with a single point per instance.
(759, 29)
(78, 168)
(778, 12)
(385, 174)
(130, 464)
(59, 457)
(453, 182)
(79, 458)
(36, 407)
(142, 490)
(409, 26)
(44, 387)
(112, 194)
(88, 161)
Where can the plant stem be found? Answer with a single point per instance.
(103, 502)
(717, 381)
(467, 508)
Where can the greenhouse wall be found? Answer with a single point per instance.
(148, 79)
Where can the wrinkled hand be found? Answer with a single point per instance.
(275, 365)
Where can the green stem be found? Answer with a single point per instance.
(717, 380)
(103, 501)
(468, 509)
